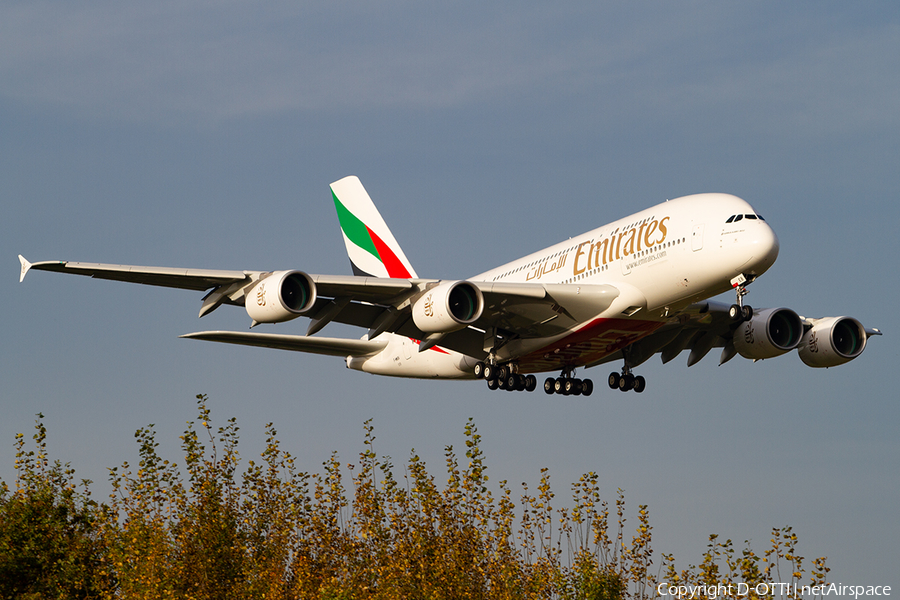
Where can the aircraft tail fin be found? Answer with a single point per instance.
(371, 246)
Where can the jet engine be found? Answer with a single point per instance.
(448, 307)
(832, 342)
(282, 296)
(770, 333)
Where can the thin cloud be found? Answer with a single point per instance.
(212, 61)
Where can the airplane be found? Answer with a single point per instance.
(623, 292)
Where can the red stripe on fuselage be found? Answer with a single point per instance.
(596, 340)
(435, 348)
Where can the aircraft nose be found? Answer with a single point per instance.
(765, 247)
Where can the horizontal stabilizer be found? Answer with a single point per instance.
(296, 343)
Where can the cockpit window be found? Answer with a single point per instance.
(736, 218)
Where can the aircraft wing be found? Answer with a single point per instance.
(189, 279)
(513, 306)
(380, 304)
(363, 288)
(698, 328)
(542, 310)
(227, 287)
(296, 343)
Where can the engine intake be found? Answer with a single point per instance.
(833, 341)
(448, 307)
(282, 296)
(770, 333)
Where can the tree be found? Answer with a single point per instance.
(49, 542)
(272, 532)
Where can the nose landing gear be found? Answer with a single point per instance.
(739, 312)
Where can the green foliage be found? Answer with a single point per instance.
(49, 543)
(722, 566)
(348, 531)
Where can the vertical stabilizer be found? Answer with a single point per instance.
(371, 246)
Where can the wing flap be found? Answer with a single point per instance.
(365, 289)
(294, 343)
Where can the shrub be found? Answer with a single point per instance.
(49, 542)
(346, 532)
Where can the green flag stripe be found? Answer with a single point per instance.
(354, 229)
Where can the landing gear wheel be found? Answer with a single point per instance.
(530, 383)
(503, 372)
(559, 385)
(573, 387)
(520, 383)
(626, 383)
(747, 312)
(640, 384)
(489, 372)
(512, 382)
(587, 387)
(479, 370)
(614, 380)
(735, 313)
(549, 384)
(493, 384)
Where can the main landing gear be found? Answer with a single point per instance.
(626, 381)
(504, 377)
(567, 385)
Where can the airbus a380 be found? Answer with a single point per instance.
(620, 293)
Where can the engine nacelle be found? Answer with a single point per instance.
(448, 307)
(282, 296)
(832, 342)
(770, 333)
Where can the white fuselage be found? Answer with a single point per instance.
(666, 257)
(675, 253)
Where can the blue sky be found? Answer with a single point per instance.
(205, 135)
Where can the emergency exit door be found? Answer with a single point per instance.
(697, 238)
